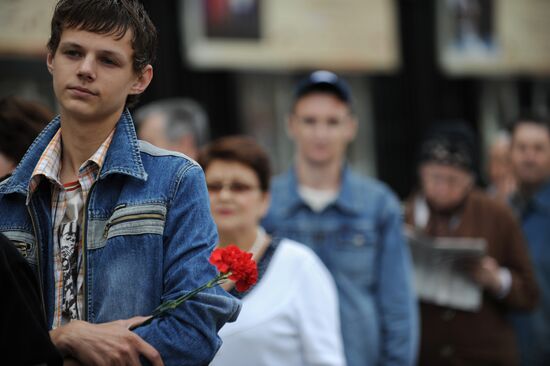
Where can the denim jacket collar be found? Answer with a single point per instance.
(345, 200)
(123, 156)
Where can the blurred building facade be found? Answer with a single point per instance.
(433, 60)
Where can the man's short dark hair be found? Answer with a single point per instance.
(538, 119)
(108, 17)
(20, 122)
(240, 149)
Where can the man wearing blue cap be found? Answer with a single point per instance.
(352, 222)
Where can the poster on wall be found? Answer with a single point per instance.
(484, 37)
(287, 34)
(25, 26)
(232, 20)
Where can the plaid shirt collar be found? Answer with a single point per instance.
(49, 164)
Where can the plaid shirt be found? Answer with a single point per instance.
(49, 167)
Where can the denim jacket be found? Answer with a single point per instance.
(147, 236)
(359, 238)
(533, 328)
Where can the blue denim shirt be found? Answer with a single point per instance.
(147, 238)
(533, 328)
(359, 238)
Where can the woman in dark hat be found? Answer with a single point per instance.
(449, 205)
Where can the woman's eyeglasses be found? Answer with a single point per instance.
(234, 187)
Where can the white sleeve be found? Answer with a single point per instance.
(318, 315)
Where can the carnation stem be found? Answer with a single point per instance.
(169, 305)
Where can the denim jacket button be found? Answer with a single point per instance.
(359, 240)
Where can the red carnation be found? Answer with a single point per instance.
(238, 265)
(232, 263)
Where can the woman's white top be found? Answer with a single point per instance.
(290, 318)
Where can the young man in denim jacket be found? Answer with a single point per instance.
(353, 223)
(113, 226)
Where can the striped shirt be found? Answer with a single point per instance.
(67, 203)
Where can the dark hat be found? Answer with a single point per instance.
(323, 81)
(450, 143)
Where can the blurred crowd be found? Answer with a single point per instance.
(338, 278)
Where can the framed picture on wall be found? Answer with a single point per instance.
(226, 19)
(493, 37)
(350, 35)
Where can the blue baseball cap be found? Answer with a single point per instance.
(326, 82)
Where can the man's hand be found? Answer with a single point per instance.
(486, 273)
(104, 344)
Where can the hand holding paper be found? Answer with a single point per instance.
(487, 274)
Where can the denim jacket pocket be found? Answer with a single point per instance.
(355, 255)
(25, 243)
(128, 220)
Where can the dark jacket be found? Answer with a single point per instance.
(485, 337)
(23, 332)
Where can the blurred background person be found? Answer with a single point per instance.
(499, 168)
(531, 165)
(20, 122)
(174, 124)
(449, 205)
(291, 315)
(352, 222)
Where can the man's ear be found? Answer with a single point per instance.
(49, 62)
(142, 81)
(353, 126)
